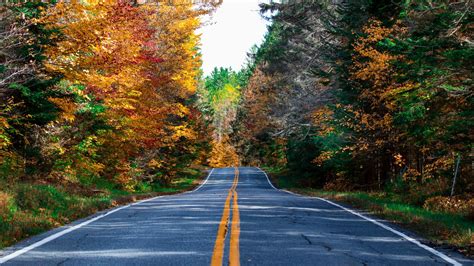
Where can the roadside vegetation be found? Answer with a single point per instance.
(365, 95)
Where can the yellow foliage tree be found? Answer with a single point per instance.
(138, 61)
(223, 154)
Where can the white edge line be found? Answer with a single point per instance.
(268, 179)
(75, 227)
(59, 234)
(410, 239)
(203, 183)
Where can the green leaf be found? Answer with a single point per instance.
(451, 88)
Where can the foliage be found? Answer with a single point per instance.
(223, 154)
(219, 98)
(377, 93)
(95, 90)
(455, 205)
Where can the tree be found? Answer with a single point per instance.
(115, 95)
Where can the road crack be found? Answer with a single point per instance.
(361, 261)
(62, 262)
(326, 246)
(307, 239)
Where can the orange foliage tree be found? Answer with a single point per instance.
(133, 67)
(223, 154)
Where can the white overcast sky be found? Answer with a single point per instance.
(233, 29)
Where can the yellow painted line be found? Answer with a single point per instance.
(234, 255)
(218, 253)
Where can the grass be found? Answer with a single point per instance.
(443, 229)
(27, 209)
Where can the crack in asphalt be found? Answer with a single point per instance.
(361, 261)
(372, 248)
(62, 262)
(326, 246)
(307, 239)
(133, 214)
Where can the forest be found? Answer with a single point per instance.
(378, 100)
(101, 103)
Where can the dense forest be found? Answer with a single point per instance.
(357, 95)
(98, 100)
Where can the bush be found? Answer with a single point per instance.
(419, 192)
(39, 208)
(34, 197)
(6, 206)
(453, 205)
(339, 184)
(24, 224)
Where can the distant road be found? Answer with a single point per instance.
(235, 217)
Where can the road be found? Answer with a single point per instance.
(235, 217)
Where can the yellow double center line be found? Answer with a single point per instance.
(234, 255)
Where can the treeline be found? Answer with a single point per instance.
(96, 91)
(218, 99)
(363, 95)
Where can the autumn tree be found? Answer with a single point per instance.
(219, 99)
(24, 91)
(102, 89)
(376, 94)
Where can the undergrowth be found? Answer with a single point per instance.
(27, 209)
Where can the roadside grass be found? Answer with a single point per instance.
(442, 229)
(27, 209)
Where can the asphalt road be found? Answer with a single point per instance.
(254, 223)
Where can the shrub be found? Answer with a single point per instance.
(339, 184)
(418, 193)
(25, 224)
(454, 205)
(34, 197)
(6, 206)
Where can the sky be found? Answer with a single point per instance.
(234, 28)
